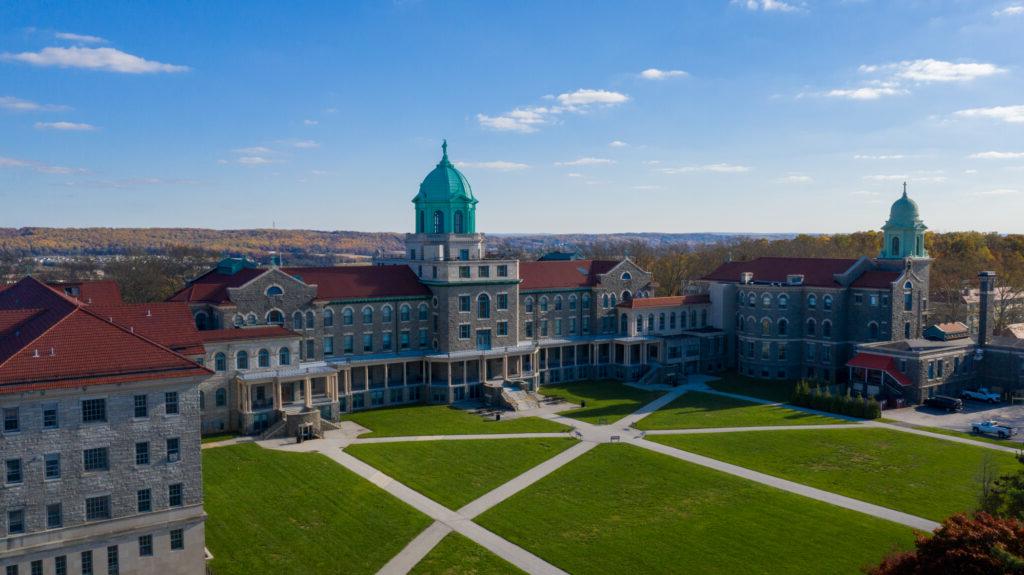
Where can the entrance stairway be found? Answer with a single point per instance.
(515, 397)
(651, 375)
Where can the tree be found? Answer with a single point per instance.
(1004, 496)
(148, 277)
(983, 545)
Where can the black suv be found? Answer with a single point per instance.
(945, 402)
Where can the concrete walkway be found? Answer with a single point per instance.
(697, 431)
(405, 439)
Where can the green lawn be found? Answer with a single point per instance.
(457, 555)
(442, 420)
(275, 512)
(218, 437)
(622, 509)
(694, 409)
(453, 473)
(607, 401)
(919, 475)
(770, 389)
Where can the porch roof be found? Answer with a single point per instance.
(880, 363)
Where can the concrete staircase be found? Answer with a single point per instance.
(651, 375)
(276, 429)
(518, 399)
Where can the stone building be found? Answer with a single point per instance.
(100, 441)
(796, 318)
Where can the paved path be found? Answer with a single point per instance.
(697, 431)
(404, 439)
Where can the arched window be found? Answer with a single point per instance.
(558, 303)
(766, 326)
(367, 314)
(202, 400)
(528, 304)
(661, 320)
(751, 325)
(405, 312)
(826, 328)
(242, 360)
(624, 325)
(908, 297)
(895, 246)
(572, 301)
(783, 326)
(221, 397)
(459, 228)
(328, 317)
(238, 320)
(263, 358)
(812, 301)
(310, 319)
(438, 222)
(672, 320)
(740, 298)
(201, 320)
(297, 320)
(873, 330)
(811, 326)
(543, 303)
(424, 312)
(604, 301)
(826, 303)
(626, 276)
(284, 356)
(613, 302)
(274, 290)
(626, 296)
(220, 361)
(650, 322)
(766, 300)
(250, 319)
(783, 301)
(346, 316)
(483, 306)
(585, 301)
(751, 300)
(386, 314)
(275, 317)
(419, 222)
(639, 323)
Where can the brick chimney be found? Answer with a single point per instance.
(988, 286)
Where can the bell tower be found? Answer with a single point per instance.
(904, 231)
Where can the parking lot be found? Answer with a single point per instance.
(1012, 415)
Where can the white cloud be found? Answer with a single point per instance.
(1012, 10)
(998, 192)
(878, 157)
(1011, 114)
(905, 177)
(305, 144)
(253, 150)
(310, 122)
(656, 74)
(617, 144)
(970, 171)
(997, 155)
(586, 162)
(254, 160)
(529, 118)
(718, 168)
(82, 38)
(929, 70)
(65, 126)
(134, 182)
(106, 59)
(574, 175)
(795, 179)
(38, 166)
(766, 5)
(647, 187)
(18, 105)
(866, 93)
(500, 165)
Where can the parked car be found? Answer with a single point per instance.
(993, 427)
(945, 402)
(982, 394)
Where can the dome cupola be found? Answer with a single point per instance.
(904, 231)
(445, 202)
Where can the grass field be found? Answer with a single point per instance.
(642, 512)
(457, 555)
(695, 410)
(442, 420)
(607, 401)
(927, 477)
(218, 437)
(773, 390)
(274, 512)
(453, 473)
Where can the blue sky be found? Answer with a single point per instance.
(758, 116)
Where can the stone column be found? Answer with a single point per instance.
(308, 391)
(405, 373)
(278, 404)
(449, 374)
(504, 366)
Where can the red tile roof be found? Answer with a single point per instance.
(212, 287)
(105, 292)
(876, 279)
(562, 274)
(63, 343)
(881, 363)
(817, 272)
(666, 301)
(168, 323)
(232, 334)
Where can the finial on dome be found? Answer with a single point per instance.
(444, 149)
(904, 189)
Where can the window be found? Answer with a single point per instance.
(858, 298)
(347, 316)
(783, 301)
(97, 508)
(54, 516)
(141, 403)
(528, 329)
(51, 464)
(423, 337)
(144, 500)
(263, 358)
(405, 312)
(463, 254)
(931, 370)
(16, 521)
(250, 319)
(483, 271)
(96, 459)
(145, 546)
(558, 326)
(275, 317)
(464, 331)
(60, 565)
(483, 306)
(142, 453)
(177, 539)
(766, 326)
(423, 312)
(438, 222)
(558, 303)
(826, 328)
(604, 301)
(464, 303)
(626, 276)
(502, 328)
(528, 304)
(751, 300)
(826, 303)
(310, 319)
(12, 422)
(328, 317)
(348, 343)
(812, 301)
(36, 567)
(220, 362)
(238, 320)
(543, 303)
(221, 397)
(367, 315)
(585, 301)
(766, 300)
(173, 449)
(811, 327)
(386, 314)
(50, 416)
(502, 271)
(386, 341)
(174, 495)
(783, 326)
(297, 320)
(94, 410)
(242, 360)
(367, 342)
(13, 471)
(661, 321)
(274, 290)
(873, 330)
(329, 345)
(502, 303)
(404, 339)
(672, 320)
(86, 562)
(906, 330)
(639, 323)
(465, 272)
(113, 564)
(171, 402)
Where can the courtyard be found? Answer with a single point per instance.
(640, 480)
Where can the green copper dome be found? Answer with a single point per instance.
(904, 212)
(904, 232)
(445, 182)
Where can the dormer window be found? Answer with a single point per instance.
(626, 276)
(274, 290)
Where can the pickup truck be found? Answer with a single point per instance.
(993, 427)
(980, 395)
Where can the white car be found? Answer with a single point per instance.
(980, 395)
(993, 427)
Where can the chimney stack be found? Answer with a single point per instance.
(988, 285)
